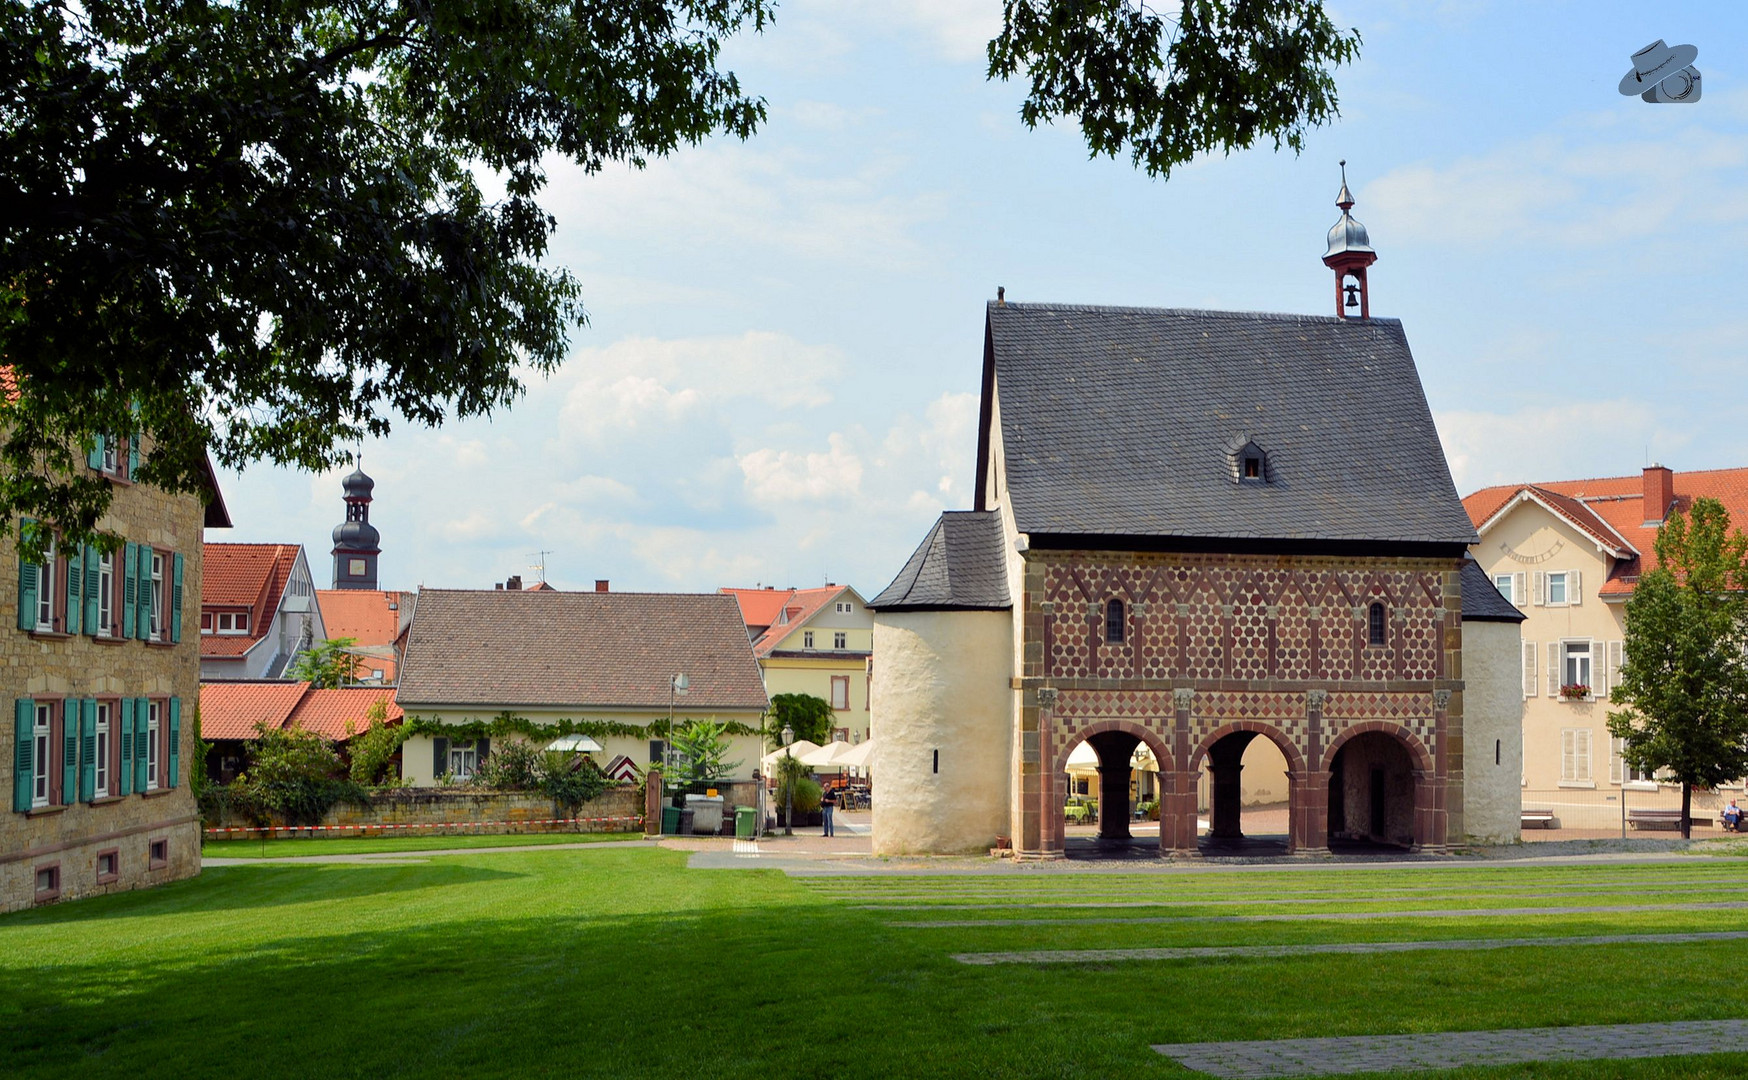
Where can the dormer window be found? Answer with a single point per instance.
(1248, 461)
(1253, 467)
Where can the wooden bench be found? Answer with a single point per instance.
(1664, 819)
(1537, 819)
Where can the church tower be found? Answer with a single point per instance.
(355, 539)
(1350, 252)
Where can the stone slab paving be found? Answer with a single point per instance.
(1200, 952)
(1053, 901)
(1269, 1059)
(1327, 916)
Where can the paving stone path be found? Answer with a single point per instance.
(1271, 901)
(1095, 956)
(1326, 916)
(1455, 1049)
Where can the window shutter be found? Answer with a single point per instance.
(130, 589)
(174, 757)
(90, 560)
(133, 456)
(87, 750)
(1599, 669)
(142, 714)
(439, 757)
(1615, 772)
(1541, 588)
(1582, 753)
(1574, 588)
(1568, 754)
(1554, 669)
(176, 599)
(23, 725)
(1615, 659)
(95, 457)
(1520, 589)
(126, 773)
(28, 579)
(483, 748)
(74, 590)
(69, 753)
(1529, 669)
(143, 574)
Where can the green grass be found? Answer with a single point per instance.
(622, 962)
(282, 849)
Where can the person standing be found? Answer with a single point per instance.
(827, 804)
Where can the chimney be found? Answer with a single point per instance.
(1659, 493)
(600, 584)
(498, 585)
(514, 583)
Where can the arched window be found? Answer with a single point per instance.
(1375, 625)
(1114, 624)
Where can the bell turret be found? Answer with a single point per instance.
(1350, 252)
(356, 541)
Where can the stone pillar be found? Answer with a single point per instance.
(1308, 831)
(1115, 750)
(1181, 802)
(1225, 765)
(652, 802)
(1041, 793)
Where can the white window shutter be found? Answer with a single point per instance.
(1569, 754)
(1599, 668)
(1529, 669)
(1616, 657)
(1541, 596)
(1583, 753)
(1520, 589)
(1615, 772)
(1553, 669)
(1574, 588)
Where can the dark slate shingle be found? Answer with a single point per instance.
(959, 565)
(1482, 601)
(1122, 421)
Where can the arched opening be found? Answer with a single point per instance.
(1372, 782)
(1112, 784)
(1246, 796)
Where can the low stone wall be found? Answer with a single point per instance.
(448, 812)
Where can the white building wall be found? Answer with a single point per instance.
(1492, 732)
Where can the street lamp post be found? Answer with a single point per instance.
(789, 779)
(677, 684)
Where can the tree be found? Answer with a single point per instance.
(696, 754)
(258, 227)
(1684, 678)
(807, 716)
(1230, 72)
(326, 666)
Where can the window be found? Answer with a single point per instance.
(103, 744)
(229, 622)
(1576, 669)
(41, 742)
(355, 567)
(807, 639)
(159, 855)
(1575, 757)
(206, 622)
(156, 599)
(840, 691)
(840, 640)
(1502, 582)
(1557, 588)
(1620, 772)
(108, 867)
(1375, 624)
(48, 881)
(45, 592)
(153, 709)
(463, 760)
(106, 595)
(111, 458)
(1252, 467)
(1116, 628)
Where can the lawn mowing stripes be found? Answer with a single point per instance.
(1207, 952)
(1096, 904)
(1318, 916)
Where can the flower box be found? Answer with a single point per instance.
(1575, 692)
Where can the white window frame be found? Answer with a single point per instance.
(42, 741)
(111, 456)
(156, 584)
(843, 681)
(152, 717)
(102, 764)
(807, 639)
(45, 592)
(840, 640)
(1624, 775)
(1575, 751)
(1502, 582)
(1565, 592)
(1568, 657)
(231, 622)
(463, 759)
(105, 593)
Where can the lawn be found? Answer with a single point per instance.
(283, 849)
(619, 961)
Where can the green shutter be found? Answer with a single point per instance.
(69, 753)
(176, 599)
(29, 577)
(126, 773)
(87, 750)
(90, 559)
(23, 728)
(130, 589)
(74, 590)
(175, 738)
(141, 733)
(95, 457)
(143, 574)
(439, 757)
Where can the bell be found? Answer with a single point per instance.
(1353, 296)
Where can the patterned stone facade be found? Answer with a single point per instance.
(1218, 644)
(105, 843)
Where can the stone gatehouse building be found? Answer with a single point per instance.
(1193, 530)
(101, 659)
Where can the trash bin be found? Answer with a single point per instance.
(670, 820)
(685, 828)
(706, 811)
(746, 822)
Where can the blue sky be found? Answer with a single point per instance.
(778, 382)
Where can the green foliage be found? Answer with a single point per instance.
(373, 750)
(294, 777)
(506, 724)
(808, 794)
(792, 775)
(1223, 75)
(568, 779)
(512, 765)
(808, 717)
(1684, 679)
(327, 666)
(697, 753)
(262, 223)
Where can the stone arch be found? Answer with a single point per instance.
(1154, 741)
(1054, 790)
(1295, 760)
(1429, 809)
(1303, 797)
(1416, 749)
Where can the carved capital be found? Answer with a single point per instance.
(1441, 698)
(1314, 700)
(1183, 697)
(1047, 697)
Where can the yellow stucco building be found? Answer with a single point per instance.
(814, 641)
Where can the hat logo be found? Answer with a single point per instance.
(1663, 75)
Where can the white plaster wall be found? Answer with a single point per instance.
(1492, 732)
(942, 683)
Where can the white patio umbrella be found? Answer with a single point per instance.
(801, 748)
(829, 756)
(859, 756)
(579, 743)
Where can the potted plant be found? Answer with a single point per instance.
(1574, 692)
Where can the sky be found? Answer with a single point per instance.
(778, 381)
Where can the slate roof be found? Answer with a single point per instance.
(498, 649)
(1482, 600)
(1123, 421)
(960, 565)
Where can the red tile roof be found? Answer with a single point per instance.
(797, 605)
(232, 710)
(1612, 511)
(365, 616)
(249, 576)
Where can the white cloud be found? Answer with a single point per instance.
(1557, 442)
(774, 476)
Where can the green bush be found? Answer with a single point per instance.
(293, 776)
(807, 796)
(512, 765)
(569, 780)
(374, 749)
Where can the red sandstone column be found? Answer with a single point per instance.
(1183, 799)
(652, 802)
